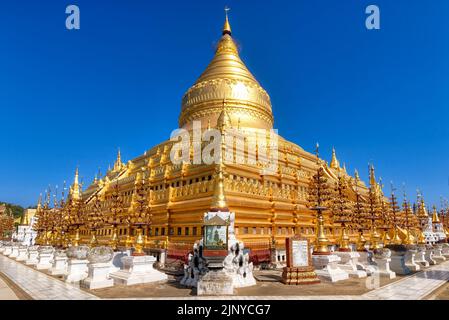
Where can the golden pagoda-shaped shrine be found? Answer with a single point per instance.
(268, 207)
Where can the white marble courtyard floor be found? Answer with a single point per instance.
(40, 286)
(6, 293)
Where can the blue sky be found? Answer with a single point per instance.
(70, 98)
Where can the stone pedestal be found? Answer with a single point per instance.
(410, 260)
(7, 251)
(23, 254)
(76, 270)
(45, 261)
(429, 256)
(348, 263)
(398, 263)
(383, 268)
(136, 270)
(438, 253)
(366, 262)
(326, 266)
(98, 276)
(33, 257)
(14, 252)
(420, 257)
(445, 250)
(215, 283)
(59, 266)
(116, 262)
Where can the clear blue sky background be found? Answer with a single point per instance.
(70, 98)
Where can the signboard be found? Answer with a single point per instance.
(299, 269)
(300, 253)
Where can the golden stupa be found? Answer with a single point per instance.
(268, 208)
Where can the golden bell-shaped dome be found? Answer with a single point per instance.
(227, 78)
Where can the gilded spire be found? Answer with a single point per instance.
(227, 26)
(75, 181)
(422, 211)
(435, 218)
(334, 162)
(118, 163)
(356, 175)
(219, 198)
(75, 189)
(317, 152)
(372, 176)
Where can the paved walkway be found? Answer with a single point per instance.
(6, 293)
(43, 287)
(415, 287)
(39, 285)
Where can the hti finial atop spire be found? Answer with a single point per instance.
(75, 182)
(227, 26)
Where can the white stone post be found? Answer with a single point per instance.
(326, 266)
(59, 266)
(138, 269)
(398, 263)
(410, 260)
(23, 254)
(438, 253)
(420, 257)
(349, 263)
(14, 252)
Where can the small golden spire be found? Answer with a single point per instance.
(75, 182)
(75, 188)
(372, 177)
(334, 162)
(39, 202)
(356, 175)
(435, 218)
(227, 26)
(118, 163)
(422, 211)
(219, 199)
